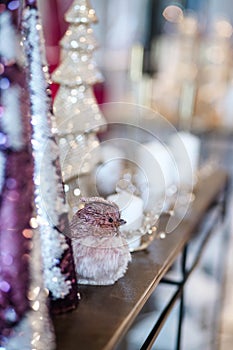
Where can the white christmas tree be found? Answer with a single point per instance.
(51, 209)
(78, 117)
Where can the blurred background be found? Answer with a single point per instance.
(174, 58)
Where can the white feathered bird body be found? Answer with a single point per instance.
(101, 253)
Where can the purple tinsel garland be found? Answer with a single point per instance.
(15, 214)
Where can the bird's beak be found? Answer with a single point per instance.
(121, 222)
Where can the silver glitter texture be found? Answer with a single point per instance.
(77, 69)
(79, 38)
(77, 114)
(81, 12)
(49, 205)
(81, 109)
(77, 154)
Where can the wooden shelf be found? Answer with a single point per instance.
(105, 313)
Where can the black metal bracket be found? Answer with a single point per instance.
(221, 212)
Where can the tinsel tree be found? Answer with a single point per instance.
(24, 316)
(77, 114)
(51, 211)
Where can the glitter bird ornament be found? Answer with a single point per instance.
(100, 251)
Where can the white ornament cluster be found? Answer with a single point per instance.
(8, 51)
(11, 123)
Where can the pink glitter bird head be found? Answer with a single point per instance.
(98, 217)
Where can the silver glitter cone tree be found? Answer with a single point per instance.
(51, 211)
(24, 316)
(77, 114)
